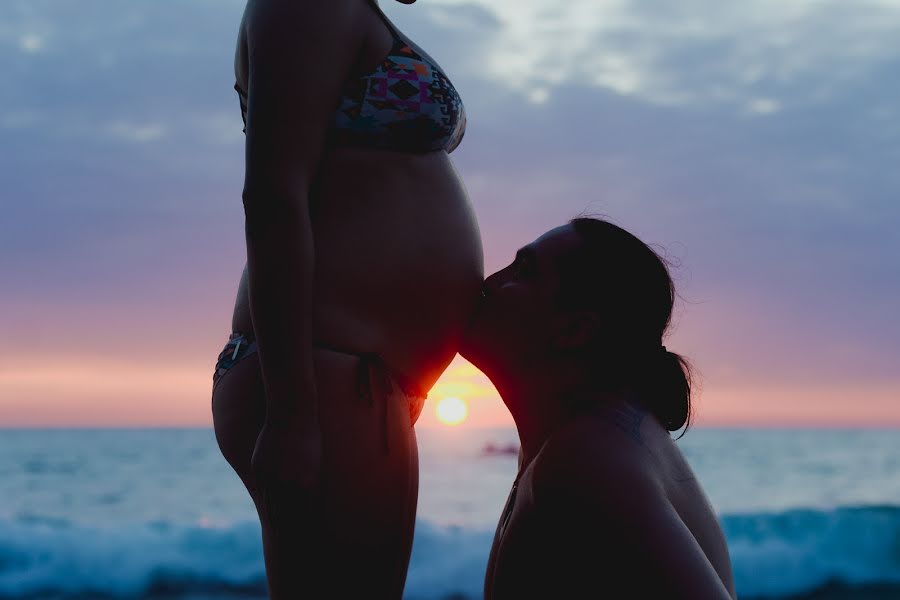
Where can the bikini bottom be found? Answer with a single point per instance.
(372, 375)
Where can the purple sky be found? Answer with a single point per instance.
(758, 144)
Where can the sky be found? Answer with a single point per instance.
(754, 144)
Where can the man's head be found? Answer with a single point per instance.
(517, 318)
(590, 297)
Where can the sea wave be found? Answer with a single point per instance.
(797, 551)
(775, 555)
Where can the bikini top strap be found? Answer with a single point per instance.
(384, 18)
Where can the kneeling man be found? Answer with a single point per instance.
(604, 505)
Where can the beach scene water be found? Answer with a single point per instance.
(754, 145)
(158, 513)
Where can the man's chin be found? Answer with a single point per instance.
(474, 345)
(477, 351)
(466, 348)
(469, 347)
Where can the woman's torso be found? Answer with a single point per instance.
(398, 257)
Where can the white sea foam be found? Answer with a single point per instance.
(132, 513)
(774, 554)
(800, 550)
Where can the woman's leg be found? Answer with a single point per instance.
(357, 542)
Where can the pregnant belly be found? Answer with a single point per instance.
(398, 256)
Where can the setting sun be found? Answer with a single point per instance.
(452, 411)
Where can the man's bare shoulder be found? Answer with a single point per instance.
(598, 484)
(602, 456)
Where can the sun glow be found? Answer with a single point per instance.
(452, 411)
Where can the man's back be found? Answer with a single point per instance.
(609, 508)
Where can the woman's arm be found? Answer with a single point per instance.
(299, 53)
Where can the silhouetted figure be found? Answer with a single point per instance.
(364, 262)
(604, 505)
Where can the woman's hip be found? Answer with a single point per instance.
(366, 413)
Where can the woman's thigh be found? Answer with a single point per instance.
(370, 467)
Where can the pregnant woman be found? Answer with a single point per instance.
(364, 261)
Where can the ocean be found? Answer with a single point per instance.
(811, 514)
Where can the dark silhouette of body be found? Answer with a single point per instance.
(605, 505)
(352, 253)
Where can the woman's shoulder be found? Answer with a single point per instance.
(304, 24)
(290, 37)
(266, 11)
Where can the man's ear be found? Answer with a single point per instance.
(576, 329)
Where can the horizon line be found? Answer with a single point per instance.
(732, 426)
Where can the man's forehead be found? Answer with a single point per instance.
(556, 243)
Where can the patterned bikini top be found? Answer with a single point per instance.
(407, 104)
